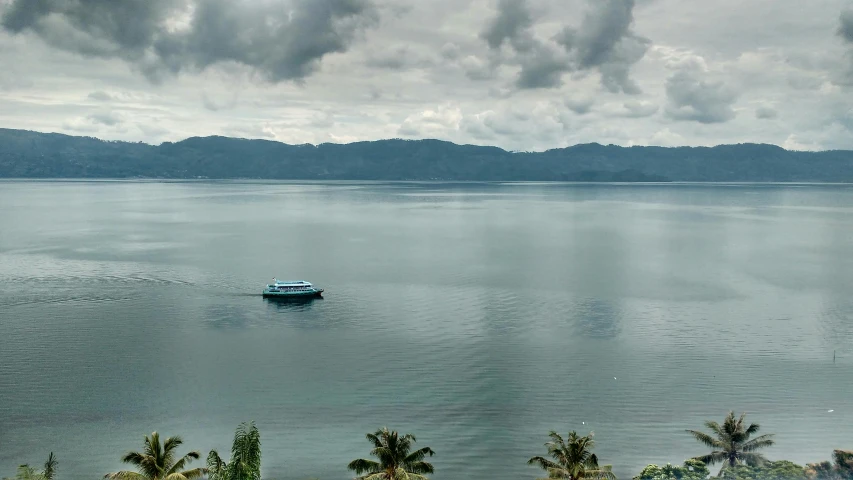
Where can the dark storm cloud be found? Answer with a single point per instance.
(694, 99)
(512, 24)
(280, 39)
(93, 27)
(541, 67)
(845, 30)
(844, 75)
(604, 42)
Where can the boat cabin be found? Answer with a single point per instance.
(293, 286)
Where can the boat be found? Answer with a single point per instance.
(292, 289)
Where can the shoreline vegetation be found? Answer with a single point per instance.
(732, 444)
(28, 154)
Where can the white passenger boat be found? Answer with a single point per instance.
(291, 289)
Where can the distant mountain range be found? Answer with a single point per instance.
(26, 154)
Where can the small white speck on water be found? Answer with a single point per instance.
(830, 411)
(614, 378)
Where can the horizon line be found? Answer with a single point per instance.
(426, 139)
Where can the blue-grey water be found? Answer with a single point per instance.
(476, 316)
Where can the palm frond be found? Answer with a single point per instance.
(125, 476)
(193, 474)
(420, 468)
(758, 443)
(246, 452)
(419, 455)
(216, 467)
(705, 438)
(133, 458)
(603, 473)
(374, 476)
(753, 459)
(715, 427)
(182, 463)
(753, 428)
(556, 437)
(374, 438)
(24, 472)
(50, 467)
(712, 458)
(363, 465)
(542, 462)
(402, 474)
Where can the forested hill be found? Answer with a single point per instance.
(26, 154)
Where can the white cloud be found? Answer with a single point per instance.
(706, 73)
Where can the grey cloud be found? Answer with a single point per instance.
(604, 26)
(100, 96)
(579, 105)
(476, 68)
(109, 119)
(845, 30)
(450, 51)
(844, 75)
(215, 104)
(692, 98)
(280, 39)
(396, 59)
(102, 28)
(512, 24)
(640, 109)
(766, 113)
(408, 130)
(604, 42)
(541, 68)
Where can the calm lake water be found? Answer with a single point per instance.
(476, 316)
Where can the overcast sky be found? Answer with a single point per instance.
(519, 74)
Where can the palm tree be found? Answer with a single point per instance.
(157, 462)
(395, 461)
(26, 472)
(573, 459)
(731, 444)
(245, 461)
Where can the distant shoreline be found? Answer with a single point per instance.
(436, 182)
(33, 155)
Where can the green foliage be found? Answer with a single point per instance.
(781, 470)
(395, 460)
(572, 459)
(731, 443)
(26, 472)
(245, 463)
(842, 469)
(691, 470)
(157, 462)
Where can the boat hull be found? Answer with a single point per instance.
(293, 295)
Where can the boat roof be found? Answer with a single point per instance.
(291, 282)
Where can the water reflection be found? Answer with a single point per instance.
(291, 304)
